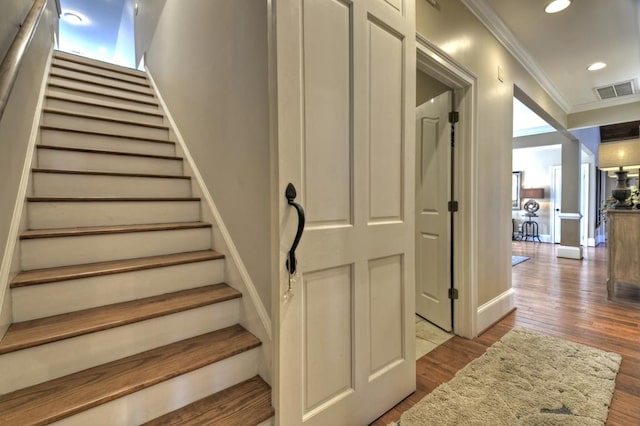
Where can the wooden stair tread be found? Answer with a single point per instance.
(112, 229)
(105, 199)
(108, 152)
(97, 173)
(59, 398)
(115, 86)
(108, 134)
(140, 80)
(150, 101)
(104, 118)
(83, 60)
(247, 403)
(27, 334)
(63, 273)
(107, 105)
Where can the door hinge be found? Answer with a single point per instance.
(453, 293)
(454, 117)
(453, 206)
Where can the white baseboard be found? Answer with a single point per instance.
(591, 242)
(496, 308)
(569, 252)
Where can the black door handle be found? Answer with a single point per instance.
(291, 194)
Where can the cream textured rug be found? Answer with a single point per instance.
(526, 378)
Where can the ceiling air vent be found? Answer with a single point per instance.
(616, 90)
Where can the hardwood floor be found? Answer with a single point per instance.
(560, 297)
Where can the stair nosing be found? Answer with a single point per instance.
(110, 230)
(200, 350)
(126, 313)
(96, 63)
(58, 111)
(66, 273)
(152, 101)
(148, 93)
(108, 174)
(106, 152)
(144, 83)
(94, 102)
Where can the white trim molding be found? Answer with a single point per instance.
(495, 309)
(485, 14)
(11, 249)
(232, 251)
(569, 252)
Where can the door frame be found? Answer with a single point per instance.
(438, 64)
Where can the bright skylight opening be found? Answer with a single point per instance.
(557, 6)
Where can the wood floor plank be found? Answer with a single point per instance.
(54, 400)
(36, 332)
(63, 273)
(247, 403)
(560, 297)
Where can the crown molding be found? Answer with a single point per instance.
(486, 15)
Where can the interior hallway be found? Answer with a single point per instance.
(560, 297)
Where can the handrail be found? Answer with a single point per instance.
(11, 64)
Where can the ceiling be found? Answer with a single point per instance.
(557, 48)
(99, 33)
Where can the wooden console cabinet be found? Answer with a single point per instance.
(623, 243)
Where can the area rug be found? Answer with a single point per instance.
(518, 259)
(526, 378)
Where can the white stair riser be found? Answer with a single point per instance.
(169, 395)
(79, 353)
(114, 127)
(75, 185)
(95, 64)
(54, 214)
(110, 143)
(100, 80)
(58, 62)
(104, 111)
(100, 93)
(39, 301)
(51, 252)
(103, 162)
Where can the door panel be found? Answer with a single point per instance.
(327, 99)
(345, 335)
(433, 221)
(385, 114)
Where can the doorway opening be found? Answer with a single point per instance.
(443, 238)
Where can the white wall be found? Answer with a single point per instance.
(455, 30)
(15, 128)
(209, 60)
(124, 52)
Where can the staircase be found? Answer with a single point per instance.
(121, 315)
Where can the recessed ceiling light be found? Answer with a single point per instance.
(557, 5)
(596, 66)
(74, 18)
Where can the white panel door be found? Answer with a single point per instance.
(433, 220)
(344, 334)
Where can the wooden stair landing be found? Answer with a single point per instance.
(59, 398)
(247, 403)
